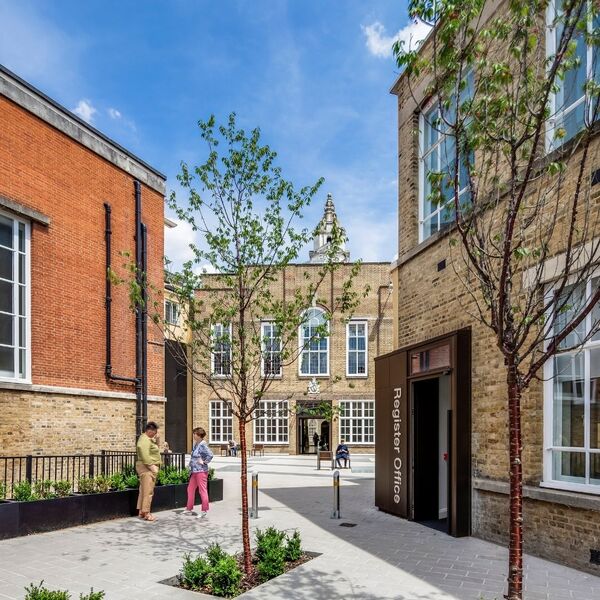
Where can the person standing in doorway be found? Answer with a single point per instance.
(147, 465)
(316, 440)
(201, 456)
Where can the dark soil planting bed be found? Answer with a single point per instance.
(248, 582)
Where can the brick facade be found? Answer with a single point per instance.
(375, 309)
(431, 302)
(53, 163)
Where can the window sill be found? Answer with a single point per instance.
(271, 444)
(361, 376)
(546, 492)
(305, 376)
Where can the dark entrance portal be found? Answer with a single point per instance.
(431, 421)
(176, 407)
(426, 450)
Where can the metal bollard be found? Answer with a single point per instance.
(254, 508)
(336, 514)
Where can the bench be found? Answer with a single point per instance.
(258, 448)
(325, 455)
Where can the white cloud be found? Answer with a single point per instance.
(380, 44)
(113, 113)
(177, 243)
(85, 110)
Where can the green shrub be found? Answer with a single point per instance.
(211, 473)
(214, 554)
(132, 481)
(62, 488)
(102, 484)
(117, 482)
(268, 539)
(43, 490)
(22, 492)
(2, 490)
(39, 592)
(86, 485)
(92, 595)
(172, 476)
(195, 572)
(225, 576)
(127, 471)
(270, 552)
(293, 547)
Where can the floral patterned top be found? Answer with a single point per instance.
(200, 457)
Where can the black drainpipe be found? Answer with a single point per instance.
(144, 324)
(139, 316)
(108, 302)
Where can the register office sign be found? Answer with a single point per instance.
(391, 442)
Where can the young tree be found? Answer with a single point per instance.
(517, 120)
(246, 213)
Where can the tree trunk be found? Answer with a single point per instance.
(515, 548)
(244, 483)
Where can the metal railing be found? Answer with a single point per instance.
(71, 467)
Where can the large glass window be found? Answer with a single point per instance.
(221, 354)
(314, 354)
(572, 398)
(271, 350)
(570, 105)
(356, 351)
(438, 160)
(271, 422)
(221, 422)
(357, 421)
(14, 299)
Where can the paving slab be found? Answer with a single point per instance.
(382, 557)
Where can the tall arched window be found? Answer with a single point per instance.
(314, 354)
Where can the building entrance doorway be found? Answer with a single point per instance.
(312, 432)
(431, 422)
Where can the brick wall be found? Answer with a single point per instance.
(337, 386)
(43, 169)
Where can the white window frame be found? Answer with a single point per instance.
(549, 381)
(303, 349)
(557, 118)
(171, 308)
(281, 412)
(263, 326)
(225, 421)
(212, 354)
(22, 344)
(357, 352)
(345, 429)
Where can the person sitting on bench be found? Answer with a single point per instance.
(342, 452)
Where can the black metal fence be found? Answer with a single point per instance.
(71, 468)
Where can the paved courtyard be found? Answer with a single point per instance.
(381, 557)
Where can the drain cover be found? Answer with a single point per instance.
(347, 524)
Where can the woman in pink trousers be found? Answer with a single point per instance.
(201, 456)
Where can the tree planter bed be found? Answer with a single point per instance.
(37, 516)
(248, 582)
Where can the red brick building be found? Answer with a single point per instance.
(58, 175)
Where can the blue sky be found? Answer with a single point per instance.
(314, 75)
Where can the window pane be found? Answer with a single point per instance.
(595, 469)
(21, 268)
(6, 296)
(568, 305)
(22, 300)
(568, 466)
(352, 363)
(361, 370)
(22, 363)
(595, 318)
(6, 329)
(6, 264)
(7, 362)
(595, 398)
(6, 232)
(21, 237)
(568, 401)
